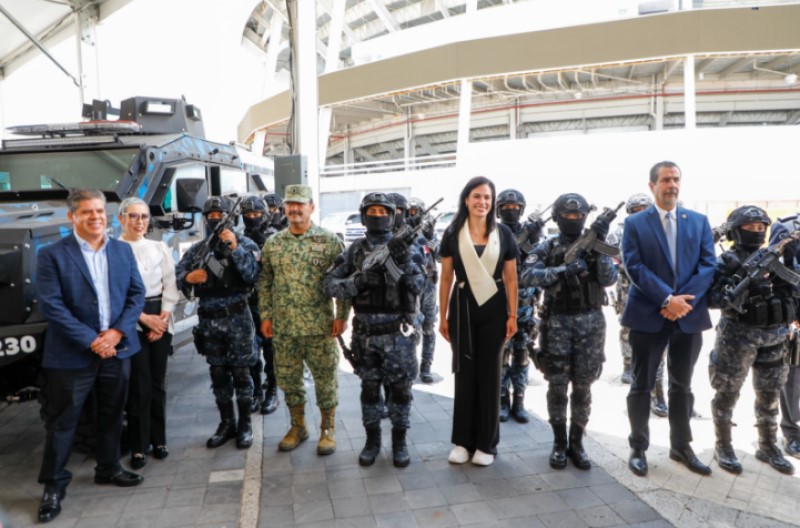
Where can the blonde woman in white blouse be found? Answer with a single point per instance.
(147, 395)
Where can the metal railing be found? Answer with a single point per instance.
(439, 161)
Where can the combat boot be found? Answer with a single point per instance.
(298, 432)
(227, 425)
(626, 377)
(425, 372)
(270, 403)
(505, 405)
(575, 450)
(244, 431)
(723, 451)
(327, 436)
(769, 452)
(518, 407)
(258, 398)
(658, 406)
(400, 456)
(371, 448)
(558, 456)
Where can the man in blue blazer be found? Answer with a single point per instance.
(669, 254)
(91, 294)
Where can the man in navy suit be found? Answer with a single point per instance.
(91, 294)
(669, 254)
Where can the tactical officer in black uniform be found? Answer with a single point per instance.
(225, 332)
(277, 215)
(427, 301)
(573, 328)
(510, 208)
(790, 392)
(749, 334)
(384, 338)
(257, 228)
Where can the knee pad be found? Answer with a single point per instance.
(241, 376)
(220, 377)
(401, 392)
(370, 392)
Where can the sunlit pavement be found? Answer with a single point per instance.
(263, 487)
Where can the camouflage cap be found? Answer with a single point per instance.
(298, 194)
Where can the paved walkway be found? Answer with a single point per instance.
(263, 487)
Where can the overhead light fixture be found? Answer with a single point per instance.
(789, 78)
(578, 95)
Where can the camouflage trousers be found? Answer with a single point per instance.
(574, 346)
(739, 347)
(386, 359)
(430, 312)
(515, 364)
(227, 341)
(321, 356)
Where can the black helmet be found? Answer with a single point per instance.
(273, 200)
(511, 196)
(376, 198)
(636, 201)
(416, 203)
(252, 203)
(746, 214)
(570, 203)
(217, 203)
(399, 201)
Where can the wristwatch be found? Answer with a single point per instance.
(666, 301)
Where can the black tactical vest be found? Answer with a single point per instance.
(230, 283)
(574, 294)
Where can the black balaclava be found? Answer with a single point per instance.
(398, 218)
(751, 240)
(510, 216)
(253, 224)
(377, 225)
(570, 228)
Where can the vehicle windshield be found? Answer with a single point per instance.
(92, 169)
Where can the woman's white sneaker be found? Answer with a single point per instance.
(482, 459)
(458, 455)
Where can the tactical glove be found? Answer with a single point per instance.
(367, 279)
(398, 250)
(600, 226)
(576, 267)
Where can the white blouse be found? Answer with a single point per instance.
(157, 269)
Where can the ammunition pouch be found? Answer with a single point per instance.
(793, 354)
(760, 312)
(571, 298)
(199, 341)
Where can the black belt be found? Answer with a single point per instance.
(152, 305)
(376, 329)
(225, 311)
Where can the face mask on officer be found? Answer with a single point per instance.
(398, 218)
(571, 227)
(377, 221)
(254, 222)
(509, 215)
(751, 239)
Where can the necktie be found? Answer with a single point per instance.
(669, 230)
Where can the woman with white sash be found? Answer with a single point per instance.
(477, 316)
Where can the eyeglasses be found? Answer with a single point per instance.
(135, 217)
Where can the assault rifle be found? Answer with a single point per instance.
(760, 264)
(381, 257)
(204, 258)
(720, 233)
(537, 221)
(588, 241)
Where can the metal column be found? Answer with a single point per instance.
(689, 93)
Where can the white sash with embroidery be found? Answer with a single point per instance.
(479, 270)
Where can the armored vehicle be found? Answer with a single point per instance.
(156, 150)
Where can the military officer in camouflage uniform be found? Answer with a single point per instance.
(258, 229)
(225, 332)
(384, 340)
(658, 404)
(753, 334)
(427, 301)
(510, 208)
(573, 328)
(299, 317)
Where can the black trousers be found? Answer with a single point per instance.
(790, 405)
(682, 353)
(147, 395)
(476, 403)
(66, 391)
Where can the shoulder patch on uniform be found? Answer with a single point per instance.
(531, 259)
